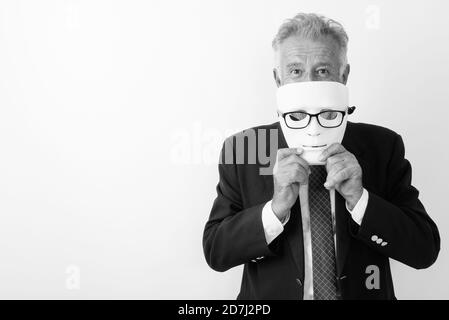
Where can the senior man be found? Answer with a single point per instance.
(320, 245)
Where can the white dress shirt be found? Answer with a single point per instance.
(273, 227)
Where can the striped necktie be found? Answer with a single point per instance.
(323, 250)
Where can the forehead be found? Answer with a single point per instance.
(297, 49)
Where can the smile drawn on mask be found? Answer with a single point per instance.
(320, 146)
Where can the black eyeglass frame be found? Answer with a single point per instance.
(350, 110)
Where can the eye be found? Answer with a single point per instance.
(295, 72)
(322, 72)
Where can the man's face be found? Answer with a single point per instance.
(301, 59)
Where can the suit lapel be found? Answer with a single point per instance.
(342, 216)
(293, 229)
(343, 237)
(295, 237)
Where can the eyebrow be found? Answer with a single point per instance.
(294, 64)
(316, 65)
(323, 64)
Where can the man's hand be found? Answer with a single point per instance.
(343, 173)
(289, 172)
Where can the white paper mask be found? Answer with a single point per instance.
(312, 97)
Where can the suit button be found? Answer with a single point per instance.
(374, 238)
(379, 241)
(383, 244)
(299, 282)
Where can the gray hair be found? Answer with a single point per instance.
(313, 26)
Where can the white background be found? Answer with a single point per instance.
(112, 114)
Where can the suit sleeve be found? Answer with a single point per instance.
(397, 225)
(233, 235)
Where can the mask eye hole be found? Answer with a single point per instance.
(330, 119)
(297, 116)
(297, 120)
(329, 115)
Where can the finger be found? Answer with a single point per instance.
(294, 168)
(292, 173)
(294, 158)
(334, 169)
(280, 165)
(333, 149)
(283, 154)
(337, 178)
(333, 160)
(337, 158)
(298, 174)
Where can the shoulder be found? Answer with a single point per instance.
(365, 134)
(376, 142)
(370, 130)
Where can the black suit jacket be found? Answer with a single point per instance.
(234, 233)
